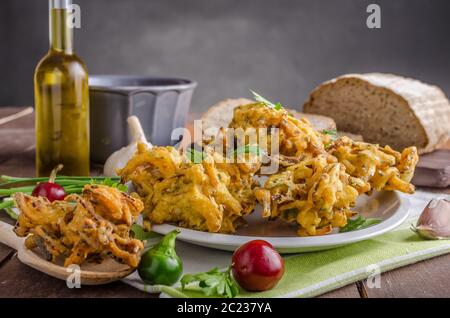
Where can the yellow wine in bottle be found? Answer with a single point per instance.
(61, 101)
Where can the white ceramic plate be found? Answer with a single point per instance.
(388, 206)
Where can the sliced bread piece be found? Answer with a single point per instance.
(385, 109)
(220, 115)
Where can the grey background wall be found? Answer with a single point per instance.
(281, 49)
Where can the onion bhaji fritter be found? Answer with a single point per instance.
(383, 167)
(295, 136)
(97, 222)
(206, 196)
(316, 193)
(319, 179)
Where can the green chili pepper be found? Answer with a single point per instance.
(161, 265)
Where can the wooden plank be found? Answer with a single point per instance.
(17, 136)
(20, 165)
(19, 280)
(14, 142)
(9, 110)
(23, 122)
(349, 291)
(428, 278)
(433, 169)
(5, 253)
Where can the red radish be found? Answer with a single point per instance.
(257, 266)
(51, 190)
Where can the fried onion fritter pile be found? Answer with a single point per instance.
(295, 136)
(316, 185)
(319, 179)
(97, 222)
(206, 196)
(316, 193)
(383, 167)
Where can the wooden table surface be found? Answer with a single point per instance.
(424, 279)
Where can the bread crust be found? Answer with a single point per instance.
(427, 103)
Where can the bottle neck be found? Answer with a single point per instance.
(61, 33)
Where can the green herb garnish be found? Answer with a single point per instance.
(359, 223)
(333, 136)
(141, 234)
(213, 283)
(262, 100)
(194, 155)
(331, 132)
(110, 183)
(250, 149)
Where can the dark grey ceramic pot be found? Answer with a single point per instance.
(161, 104)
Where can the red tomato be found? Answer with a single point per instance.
(257, 266)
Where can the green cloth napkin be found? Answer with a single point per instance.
(315, 273)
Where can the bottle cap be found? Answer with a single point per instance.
(60, 4)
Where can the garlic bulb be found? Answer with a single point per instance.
(434, 222)
(119, 158)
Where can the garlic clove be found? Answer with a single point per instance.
(434, 222)
(119, 158)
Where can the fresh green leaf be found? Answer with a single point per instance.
(250, 149)
(359, 223)
(110, 183)
(370, 222)
(266, 102)
(278, 106)
(141, 234)
(333, 136)
(213, 283)
(331, 132)
(353, 225)
(194, 155)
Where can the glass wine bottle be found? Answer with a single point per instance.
(61, 100)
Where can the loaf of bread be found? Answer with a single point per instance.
(220, 115)
(385, 109)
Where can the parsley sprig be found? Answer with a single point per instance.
(194, 155)
(110, 183)
(141, 234)
(262, 100)
(213, 283)
(331, 132)
(250, 149)
(359, 223)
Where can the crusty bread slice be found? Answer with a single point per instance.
(319, 122)
(220, 115)
(385, 109)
